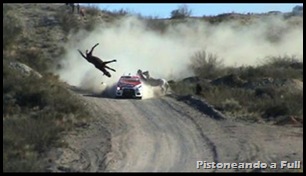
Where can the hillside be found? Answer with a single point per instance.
(246, 67)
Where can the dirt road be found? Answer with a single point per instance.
(163, 134)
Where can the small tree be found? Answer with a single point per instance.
(182, 12)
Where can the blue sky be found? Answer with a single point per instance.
(163, 10)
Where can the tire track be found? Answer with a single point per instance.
(205, 138)
(172, 146)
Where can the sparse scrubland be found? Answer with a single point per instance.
(272, 91)
(36, 111)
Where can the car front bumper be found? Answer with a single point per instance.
(129, 92)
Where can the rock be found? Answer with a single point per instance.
(190, 80)
(24, 69)
(49, 21)
(294, 84)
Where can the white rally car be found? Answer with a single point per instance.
(130, 87)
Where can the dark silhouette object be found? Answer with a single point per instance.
(72, 6)
(198, 89)
(78, 8)
(97, 62)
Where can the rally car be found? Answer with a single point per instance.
(129, 87)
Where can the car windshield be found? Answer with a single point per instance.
(129, 79)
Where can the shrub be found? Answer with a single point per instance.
(265, 92)
(121, 12)
(182, 12)
(90, 23)
(230, 105)
(155, 24)
(206, 65)
(275, 111)
(283, 61)
(274, 67)
(183, 88)
(68, 22)
(92, 10)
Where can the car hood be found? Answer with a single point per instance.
(123, 83)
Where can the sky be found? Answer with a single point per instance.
(163, 10)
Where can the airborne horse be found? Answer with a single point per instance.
(147, 79)
(97, 62)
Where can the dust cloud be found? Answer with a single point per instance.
(167, 55)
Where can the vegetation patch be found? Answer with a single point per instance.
(268, 92)
(36, 110)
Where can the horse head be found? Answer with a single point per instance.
(139, 72)
(146, 73)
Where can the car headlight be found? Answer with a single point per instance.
(118, 88)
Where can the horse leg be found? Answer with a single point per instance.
(166, 86)
(162, 88)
